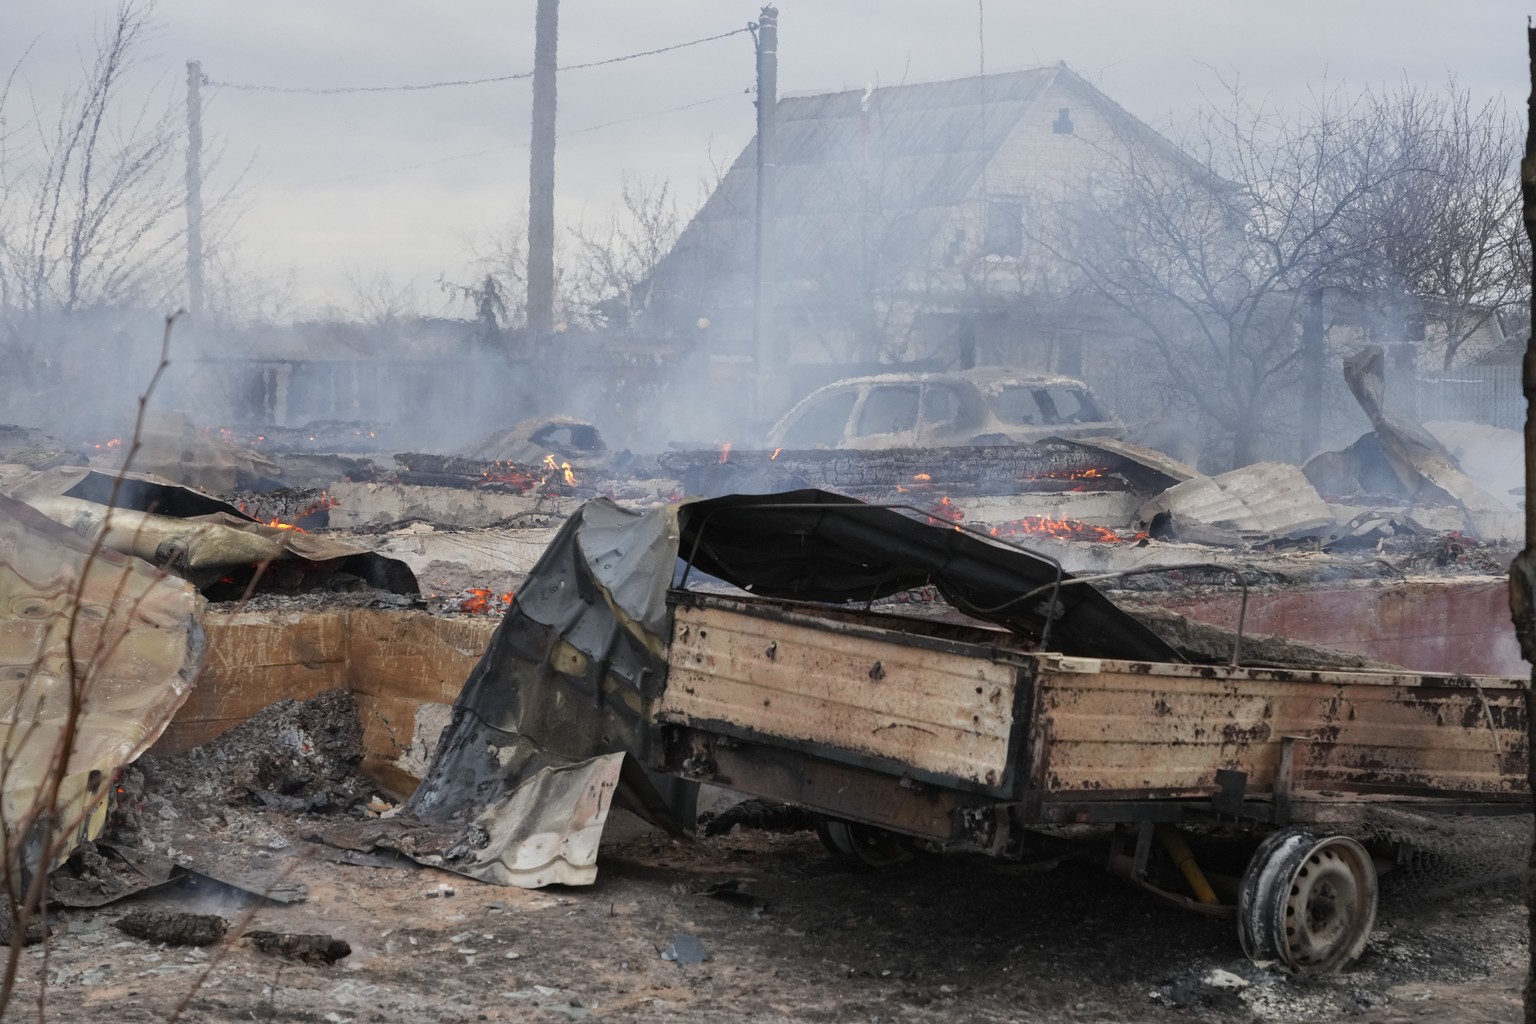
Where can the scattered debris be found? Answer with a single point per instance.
(1262, 503)
(756, 813)
(730, 891)
(291, 755)
(686, 950)
(173, 928)
(322, 950)
(101, 873)
(553, 1000)
(225, 552)
(1403, 460)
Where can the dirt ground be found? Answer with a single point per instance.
(932, 940)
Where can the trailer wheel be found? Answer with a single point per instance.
(864, 845)
(1307, 902)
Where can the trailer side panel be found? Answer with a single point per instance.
(1106, 730)
(909, 705)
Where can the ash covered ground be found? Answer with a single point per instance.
(796, 936)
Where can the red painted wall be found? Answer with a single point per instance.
(1457, 625)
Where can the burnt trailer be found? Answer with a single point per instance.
(737, 642)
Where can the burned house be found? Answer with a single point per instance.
(900, 225)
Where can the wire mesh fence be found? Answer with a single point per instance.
(1481, 394)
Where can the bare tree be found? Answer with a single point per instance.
(612, 264)
(1206, 253)
(91, 219)
(1440, 234)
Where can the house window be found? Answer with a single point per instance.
(1063, 123)
(1005, 229)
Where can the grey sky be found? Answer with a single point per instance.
(329, 199)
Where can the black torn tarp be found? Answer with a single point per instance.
(564, 689)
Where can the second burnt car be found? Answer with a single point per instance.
(933, 410)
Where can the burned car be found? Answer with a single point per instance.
(932, 410)
(530, 441)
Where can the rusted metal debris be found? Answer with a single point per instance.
(97, 651)
(1399, 457)
(215, 545)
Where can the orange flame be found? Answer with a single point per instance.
(1062, 529)
(947, 511)
(479, 600)
(775, 454)
(725, 452)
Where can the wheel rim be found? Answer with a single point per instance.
(872, 847)
(1307, 902)
(1331, 905)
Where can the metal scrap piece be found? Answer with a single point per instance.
(97, 652)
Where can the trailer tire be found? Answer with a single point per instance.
(1307, 902)
(863, 845)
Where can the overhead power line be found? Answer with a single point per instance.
(336, 90)
(386, 171)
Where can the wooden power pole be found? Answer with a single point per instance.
(541, 173)
(769, 354)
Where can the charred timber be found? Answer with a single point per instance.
(1048, 466)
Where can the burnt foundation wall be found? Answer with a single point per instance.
(1457, 625)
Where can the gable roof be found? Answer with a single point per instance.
(864, 181)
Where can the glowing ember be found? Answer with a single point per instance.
(508, 475)
(116, 442)
(1094, 477)
(1091, 473)
(947, 511)
(923, 478)
(1061, 529)
(478, 600)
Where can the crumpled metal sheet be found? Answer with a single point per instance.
(544, 832)
(185, 532)
(569, 674)
(135, 640)
(1264, 501)
(1422, 464)
(579, 662)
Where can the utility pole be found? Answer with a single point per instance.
(541, 173)
(195, 190)
(1312, 364)
(770, 364)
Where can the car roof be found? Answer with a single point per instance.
(983, 376)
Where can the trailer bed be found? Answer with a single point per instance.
(786, 694)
